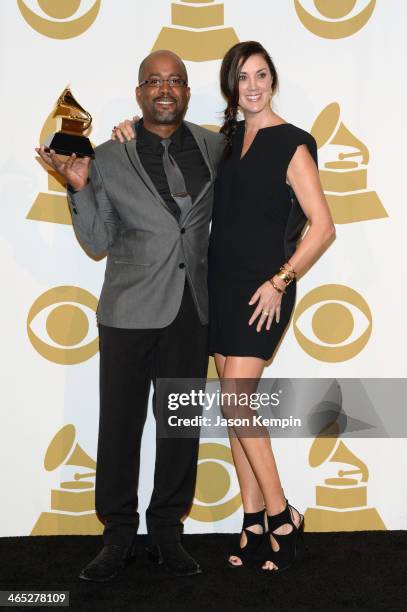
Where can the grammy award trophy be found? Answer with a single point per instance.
(75, 122)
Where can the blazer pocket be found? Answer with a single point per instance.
(131, 263)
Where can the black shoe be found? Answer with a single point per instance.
(288, 543)
(247, 553)
(108, 563)
(169, 552)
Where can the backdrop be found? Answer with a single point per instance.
(341, 64)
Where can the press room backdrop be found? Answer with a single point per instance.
(341, 64)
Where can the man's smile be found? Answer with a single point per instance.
(164, 102)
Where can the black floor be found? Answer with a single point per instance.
(340, 571)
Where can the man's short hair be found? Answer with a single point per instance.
(162, 51)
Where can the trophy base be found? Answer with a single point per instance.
(196, 46)
(353, 207)
(53, 523)
(323, 520)
(345, 181)
(66, 144)
(72, 501)
(50, 207)
(341, 498)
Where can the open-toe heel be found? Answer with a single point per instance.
(247, 553)
(288, 542)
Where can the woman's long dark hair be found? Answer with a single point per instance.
(229, 82)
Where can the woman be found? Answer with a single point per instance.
(266, 189)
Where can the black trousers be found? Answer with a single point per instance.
(130, 359)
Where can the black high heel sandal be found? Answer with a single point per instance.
(288, 543)
(254, 540)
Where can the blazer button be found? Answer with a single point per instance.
(183, 230)
(181, 265)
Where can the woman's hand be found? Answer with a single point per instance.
(125, 131)
(269, 301)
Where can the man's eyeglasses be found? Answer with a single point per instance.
(174, 82)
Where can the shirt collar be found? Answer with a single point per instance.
(146, 137)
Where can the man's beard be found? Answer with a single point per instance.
(167, 117)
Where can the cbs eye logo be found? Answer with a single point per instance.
(337, 318)
(214, 484)
(66, 323)
(334, 18)
(56, 22)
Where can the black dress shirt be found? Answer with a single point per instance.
(185, 151)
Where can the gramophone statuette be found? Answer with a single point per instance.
(75, 122)
(344, 173)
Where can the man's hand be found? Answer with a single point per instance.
(125, 131)
(74, 170)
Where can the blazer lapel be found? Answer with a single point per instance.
(203, 147)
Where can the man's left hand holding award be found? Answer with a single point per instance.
(70, 141)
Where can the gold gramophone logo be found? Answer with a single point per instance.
(66, 315)
(212, 372)
(73, 503)
(334, 18)
(213, 485)
(52, 205)
(341, 502)
(57, 22)
(332, 323)
(197, 32)
(344, 173)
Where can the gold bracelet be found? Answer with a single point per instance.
(287, 278)
(276, 287)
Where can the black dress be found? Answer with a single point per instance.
(256, 223)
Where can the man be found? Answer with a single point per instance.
(147, 203)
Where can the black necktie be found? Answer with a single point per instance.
(176, 181)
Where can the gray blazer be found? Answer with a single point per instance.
(148, 252)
